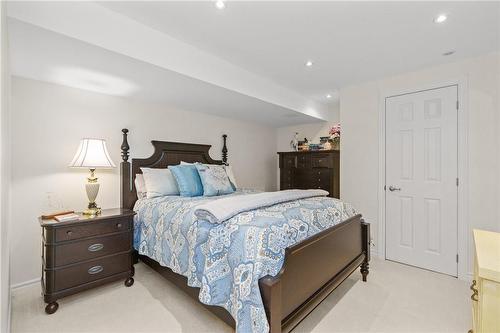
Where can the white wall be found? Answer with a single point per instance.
(49, 120)
(4, 176)
(359, 115)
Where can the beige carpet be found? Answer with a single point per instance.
(396, 298)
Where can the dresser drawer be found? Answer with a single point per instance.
(289, 161)
(323, 186)
(321, 177)
(93, 229)
(322, 161)
(303, 161)
(70, 253)
(302, 179)
(90, 271)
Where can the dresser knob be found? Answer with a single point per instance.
(118, 225)
(95, 269)
(69, 232)
(96, 247)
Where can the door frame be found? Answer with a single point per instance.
(463, 235)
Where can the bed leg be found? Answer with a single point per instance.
(365, 270)
(365, 237)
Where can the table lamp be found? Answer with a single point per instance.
(92, 154)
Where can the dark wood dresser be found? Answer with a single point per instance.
(82, 254)
(311, 170)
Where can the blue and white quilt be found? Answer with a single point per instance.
(227, 260)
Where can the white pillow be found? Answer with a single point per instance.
(159, 182)
(229, 172)
(140, 186)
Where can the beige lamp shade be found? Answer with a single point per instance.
(92, 154)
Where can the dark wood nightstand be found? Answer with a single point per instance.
(82, 254)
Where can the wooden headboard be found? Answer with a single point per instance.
(165, 154)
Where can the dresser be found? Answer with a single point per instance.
(310, 170)
(82, 254)
(485, 286)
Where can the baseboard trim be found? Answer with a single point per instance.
(9, 311)
(24, 284)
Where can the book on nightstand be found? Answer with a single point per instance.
(66, 217)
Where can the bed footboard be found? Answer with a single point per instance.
(312, 270)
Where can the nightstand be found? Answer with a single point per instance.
(82, 254)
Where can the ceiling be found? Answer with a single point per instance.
(349, 42)
(47, 56)
(246, 61)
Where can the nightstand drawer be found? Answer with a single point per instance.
(70, 253)
(92, 229)
(90, 271)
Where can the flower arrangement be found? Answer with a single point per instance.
(335, 136)
(335, 132)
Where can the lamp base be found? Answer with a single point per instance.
(92, 211)
(92, 189)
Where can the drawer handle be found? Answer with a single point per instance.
(475, 292)
(118, 225)
(320, 160)
(95, 269)
(96, 247)
(69, 232)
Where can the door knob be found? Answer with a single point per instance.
(392, 188)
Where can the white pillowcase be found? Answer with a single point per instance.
(140, 186)
(229, 172)
(159, 182)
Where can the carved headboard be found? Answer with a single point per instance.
(165, 154)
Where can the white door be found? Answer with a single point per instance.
(421, 179)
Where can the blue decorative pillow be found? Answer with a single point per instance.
(188, 180)
(214, 179)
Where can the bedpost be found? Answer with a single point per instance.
(365, 238)
(124, 172)
(270, 288)
(125, 187)
(224, 149)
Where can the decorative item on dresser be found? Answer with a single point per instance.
(335, 137)
(92, 154)
(486, 284)
(312, 268)
(310, 170)
(81, 254)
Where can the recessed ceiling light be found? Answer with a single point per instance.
(328, 96)
(220, 4)
(441, 18)
(309, 63)
(448, 53)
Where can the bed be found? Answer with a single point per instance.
(308, 270)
